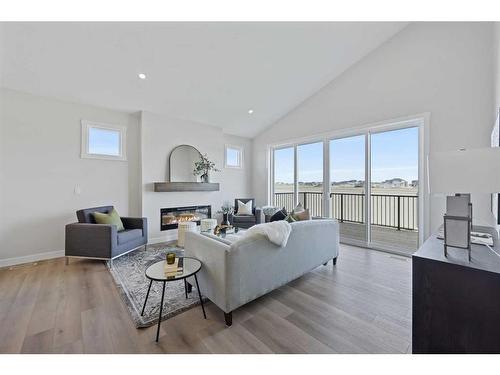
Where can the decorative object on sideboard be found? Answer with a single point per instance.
(472, 170)
(203, 167)
(226, 210)
(458, 223)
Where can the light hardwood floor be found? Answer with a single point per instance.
(362, 305)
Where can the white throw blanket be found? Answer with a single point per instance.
(277, 231)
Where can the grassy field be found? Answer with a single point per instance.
(288, 188)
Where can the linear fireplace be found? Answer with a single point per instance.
(170, 217)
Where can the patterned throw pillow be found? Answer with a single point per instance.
(280, 215)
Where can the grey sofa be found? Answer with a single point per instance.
(246, 221)
(86, 239)
(239, 272)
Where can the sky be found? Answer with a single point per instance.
(393, 153)
(104, 142)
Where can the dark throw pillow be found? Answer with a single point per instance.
(280, 215)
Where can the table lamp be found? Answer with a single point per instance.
(473, 171)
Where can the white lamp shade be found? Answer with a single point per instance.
(465, 171)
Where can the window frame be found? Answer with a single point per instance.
(87, 125)
(240, 156)
(366, 130)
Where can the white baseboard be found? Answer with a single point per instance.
(57, 254)
(31, 258)
(166, 238)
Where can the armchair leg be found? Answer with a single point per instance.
(335, 261)
(325, 263)
(228, 317)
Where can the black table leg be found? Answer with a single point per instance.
(161, 310)
(147, 295)
(199, 294)
(186, 288)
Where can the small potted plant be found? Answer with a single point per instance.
(202, 168)
(226, 210)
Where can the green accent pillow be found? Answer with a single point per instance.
(111, 218)
(290, 218)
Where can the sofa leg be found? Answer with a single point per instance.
(67, 261)
(228, 317)
(189, 287)
(325, 263)
(334, 261)
(111, 264)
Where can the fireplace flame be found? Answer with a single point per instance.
(173, 219)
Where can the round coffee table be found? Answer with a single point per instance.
(156, 272)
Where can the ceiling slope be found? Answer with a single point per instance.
(211, 73)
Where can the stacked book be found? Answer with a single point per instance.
(175, 269)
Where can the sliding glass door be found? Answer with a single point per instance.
(310, 177)
(284, 178)
(347, 187)
(394, 189)
(368, 181)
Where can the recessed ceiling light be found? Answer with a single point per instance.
(250, 111)
(141, 75)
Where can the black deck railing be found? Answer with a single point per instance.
(388, 210)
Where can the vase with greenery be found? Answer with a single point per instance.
(226, 210)
(202, 168)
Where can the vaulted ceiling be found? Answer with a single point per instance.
(212, 73)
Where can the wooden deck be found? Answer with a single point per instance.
(401, 241)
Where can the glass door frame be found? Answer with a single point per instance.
(420, 121)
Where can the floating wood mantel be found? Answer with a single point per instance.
(186, 186)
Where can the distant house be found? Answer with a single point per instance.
(414, 183)
(395, 183)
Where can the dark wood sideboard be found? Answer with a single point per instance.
(456, 304)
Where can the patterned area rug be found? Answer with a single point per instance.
(129, 274)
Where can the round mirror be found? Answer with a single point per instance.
(182, 159)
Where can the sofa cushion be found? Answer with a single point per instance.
(302, 215)
(245, 208)
(128, 235)
(244, 218)
(280, 215)
(112, 218)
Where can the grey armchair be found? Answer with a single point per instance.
(86, 239)
(246, 221)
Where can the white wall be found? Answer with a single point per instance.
(41, 165)
(442, 68)
(160, 134)
(496, 66)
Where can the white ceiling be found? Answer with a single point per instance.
(212, 73)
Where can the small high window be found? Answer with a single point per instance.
(103, 141)
(234, 157)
